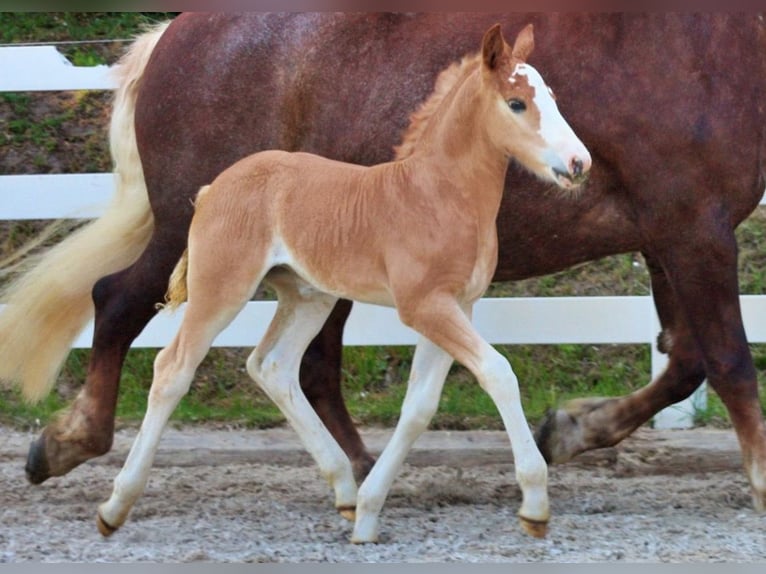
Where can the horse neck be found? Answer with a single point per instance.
(455, 143)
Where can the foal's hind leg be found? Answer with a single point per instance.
(125, 302)
(274, 365)
(174, 370)
(212, 306)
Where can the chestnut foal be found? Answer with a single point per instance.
(418, 234)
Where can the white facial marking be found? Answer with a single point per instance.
(562, 143)
(552, 124)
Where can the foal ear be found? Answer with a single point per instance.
(525, 43)
(492, 47)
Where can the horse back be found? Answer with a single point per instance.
(670, 106)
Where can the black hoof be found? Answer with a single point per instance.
(37, 469)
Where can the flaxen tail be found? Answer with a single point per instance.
(177, 291)
(49, 305)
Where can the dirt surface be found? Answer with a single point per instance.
(217, 495)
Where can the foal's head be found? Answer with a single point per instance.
(524, 118)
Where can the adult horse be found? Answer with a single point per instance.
(670, 105)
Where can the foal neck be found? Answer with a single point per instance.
(456, 134)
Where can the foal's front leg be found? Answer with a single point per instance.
(441, 319)
(430, 366)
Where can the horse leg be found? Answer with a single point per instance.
(591, 423)
(430, 366)
(704, 275)
(275, 364)
(709, 339)
(442, 321)
(320, 377)
(124, 304)
(174, 370)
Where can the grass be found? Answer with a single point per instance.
(67, 132)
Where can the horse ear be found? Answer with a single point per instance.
(525, 43)
(492, 47)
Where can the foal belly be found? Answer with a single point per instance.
(357, 280)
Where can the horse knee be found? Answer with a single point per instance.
(686, 375)
(172, 377)
(265, 372)
(732, 366)
(498, 378)
(253, 367)
(417, 415)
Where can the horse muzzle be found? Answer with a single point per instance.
(575, 174)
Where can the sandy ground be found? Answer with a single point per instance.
(254, 496)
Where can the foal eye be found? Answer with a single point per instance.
(517, 106)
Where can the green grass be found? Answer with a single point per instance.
(374, 378)
(60, 27)
(24, 128)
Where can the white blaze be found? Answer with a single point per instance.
(553, 127)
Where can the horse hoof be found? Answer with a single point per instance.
(37, 468)
(535, 528)
(348, 512)
(104, 528)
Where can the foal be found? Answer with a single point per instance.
(418, 234)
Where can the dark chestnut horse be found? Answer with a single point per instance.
(671, 106)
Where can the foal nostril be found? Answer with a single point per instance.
(577, 167)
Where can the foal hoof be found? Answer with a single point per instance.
(536, 528)
(348, 512)
(104, 528)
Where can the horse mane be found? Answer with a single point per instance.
(445, 81)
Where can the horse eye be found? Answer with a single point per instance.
(517, 106)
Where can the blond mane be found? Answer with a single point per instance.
(445, 81)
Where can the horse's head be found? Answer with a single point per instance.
(524, 117)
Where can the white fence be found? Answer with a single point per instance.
(554, 320)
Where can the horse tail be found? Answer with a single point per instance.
(50, 303)
(177, 291)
